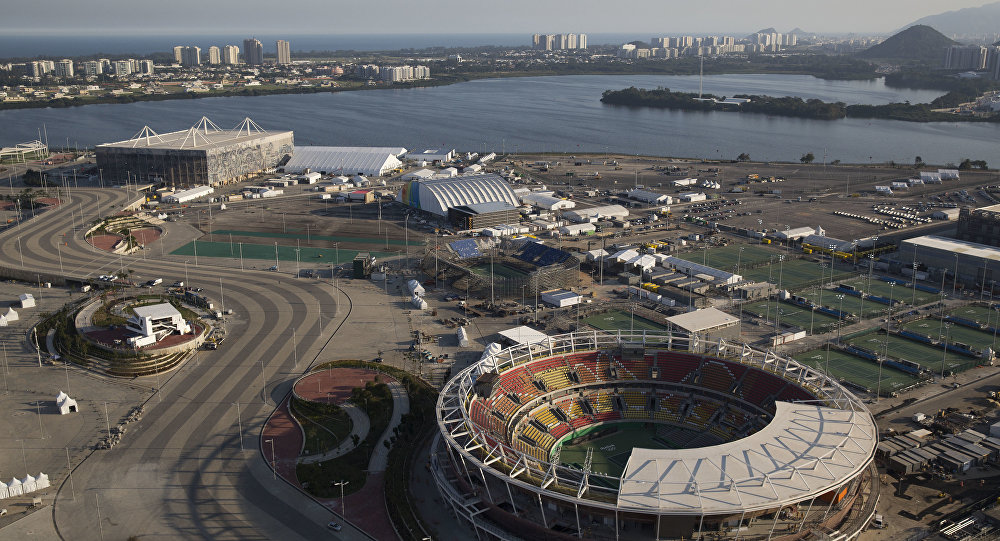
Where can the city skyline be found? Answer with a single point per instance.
(653, 16)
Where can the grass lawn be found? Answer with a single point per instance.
(794, 274)
(726, 257)
(351, 467)
(324, 426)
(611, 452)
(980, 314)
(618, 320)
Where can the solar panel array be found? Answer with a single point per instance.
(541, 255)
(466, 248)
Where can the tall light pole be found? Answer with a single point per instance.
(239, 424)
(187, 281)
(954, 285)
(275, 255)
(842, 318)
(406, 239)
(944, 356)
(343, 505)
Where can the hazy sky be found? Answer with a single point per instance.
(464, 16)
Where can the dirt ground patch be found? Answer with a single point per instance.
(104, 242)
(334, 386)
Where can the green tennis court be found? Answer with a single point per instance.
(306, 255)
(794, 274)
(897, 292)
(726, 257)
(311, 237)
(982, 314)
(856, 370)
(952, 332)
(850, 304)
(618, 320)
(611, 452)
(928, 356)
(793, 315)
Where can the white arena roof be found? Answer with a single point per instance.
(204, 135)
(961, 247)
(437, 196)
(371, 161)
(524, 335)
(156, 311)
(803, 452)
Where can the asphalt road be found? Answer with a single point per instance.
(180, 473)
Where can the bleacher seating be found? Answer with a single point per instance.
(639, 368)
(546, 417)
(716, 376)
(674, 367)
(554, 379)
(541, 255)
(466, 248)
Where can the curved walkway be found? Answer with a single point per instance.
(360, 425)
(400, 406)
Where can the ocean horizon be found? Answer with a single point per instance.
(63, 44)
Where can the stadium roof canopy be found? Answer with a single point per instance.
(372, 161)
(804, 452)
(204, 135)
(437, 196)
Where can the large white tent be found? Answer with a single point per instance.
(371, 161)
(11, 315)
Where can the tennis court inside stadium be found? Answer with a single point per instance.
(619, 320)
(612, 451)
(499, 270)
(928, 356)
(861, 372)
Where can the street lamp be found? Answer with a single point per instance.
(187, 282)
(343, 504)
(274, 471)
(842, 318)
(944, 356)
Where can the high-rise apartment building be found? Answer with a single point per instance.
(122, 67)
(178, 51)
(231, 55)
(581, 41)
(253, 52)
(284, 52)
(64, 68)
(961, 57)
(191, 56)
(93, 68)
(214, 55)
(146, 67)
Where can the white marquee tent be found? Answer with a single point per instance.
(371, 161)
(66, 404)
(11, 315)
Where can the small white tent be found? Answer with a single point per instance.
(42, 481)
(27, 301)
(418, 302)
(14, 488)
(414, 287)
(28, 484)
(66, 404)
(4, 493)
(463, 337)
(11, 315)
(3, 321)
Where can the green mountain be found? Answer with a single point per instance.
(918, 43)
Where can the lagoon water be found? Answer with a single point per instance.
(556, 113)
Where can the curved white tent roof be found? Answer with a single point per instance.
(372, 161)
(437, 196)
